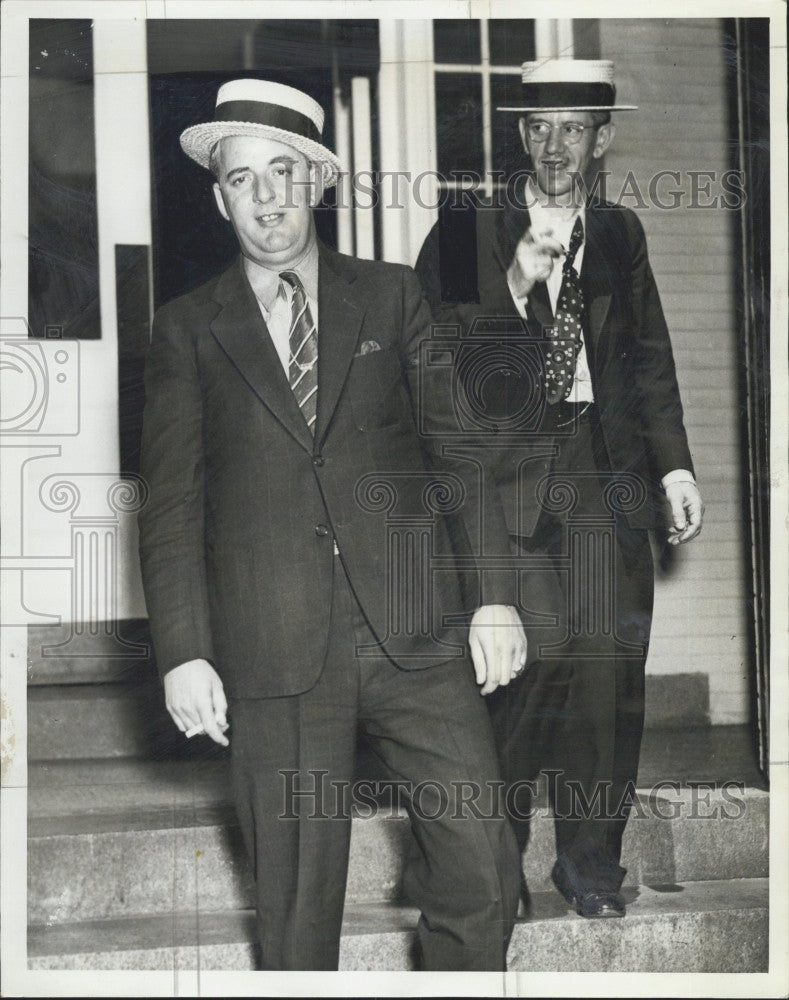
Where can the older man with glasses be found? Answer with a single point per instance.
(585, 433)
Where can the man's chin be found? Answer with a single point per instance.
(277, 250)
(555, 183)
(561, 190)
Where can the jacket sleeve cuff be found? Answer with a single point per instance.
(498, 586)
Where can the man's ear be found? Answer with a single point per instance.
(522, 130)
(603, 139)
(220, 202)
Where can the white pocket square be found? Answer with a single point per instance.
(367, 347)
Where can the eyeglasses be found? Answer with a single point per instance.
(571, 131)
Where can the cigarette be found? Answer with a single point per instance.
(199, 728)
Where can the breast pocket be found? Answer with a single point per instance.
(376, 390)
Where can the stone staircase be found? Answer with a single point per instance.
(135, 859)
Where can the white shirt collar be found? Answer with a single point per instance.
(558, 219)
(265, 281)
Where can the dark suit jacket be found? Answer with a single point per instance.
(236, 538)
(627, 343)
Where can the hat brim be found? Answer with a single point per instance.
(587, 107)
(198, 141)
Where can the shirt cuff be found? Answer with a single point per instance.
(677, 476)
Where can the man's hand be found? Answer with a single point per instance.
(195, 697)
(533, 261)
(687, 511)
(498, 645)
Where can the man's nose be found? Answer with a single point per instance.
(555, 141)
(263, 189)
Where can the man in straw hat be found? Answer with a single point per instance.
(585, 386)
(281, 452)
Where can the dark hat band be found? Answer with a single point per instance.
(263, 113)
(568, 95)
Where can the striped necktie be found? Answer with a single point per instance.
(566, 334)
(302, 363)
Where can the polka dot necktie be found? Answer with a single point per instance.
(302, 363)
(565, 337)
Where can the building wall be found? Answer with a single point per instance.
(675, 71)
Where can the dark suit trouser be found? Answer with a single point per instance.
(425, 726)
(578, 711)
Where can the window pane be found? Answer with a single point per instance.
(459, 122)
(505, 91)
(511, 41)
(63, 258)
(456, 41)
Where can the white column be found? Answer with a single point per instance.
(564, 38)
(553, 38)
(364, 218)
(407, 129)
(342, 139)
(124, 216)
(487, 131)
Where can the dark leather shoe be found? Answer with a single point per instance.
(590, 903)
(596, 904)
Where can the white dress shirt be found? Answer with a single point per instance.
(275, 297)
(560, 225)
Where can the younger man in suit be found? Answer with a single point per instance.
(280, 432)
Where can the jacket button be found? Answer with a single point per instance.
(321, 530)
(318, 460)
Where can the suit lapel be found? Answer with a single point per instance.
(242, 333)
(340, 316)
(598, 270)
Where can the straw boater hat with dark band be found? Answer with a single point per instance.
(270, 110)
(568, 85)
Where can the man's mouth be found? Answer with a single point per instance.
(270, 218)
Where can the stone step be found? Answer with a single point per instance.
(714, 926)
(71, 721)
(100, 720)
(60, 788)
(158, 845)
(57, 654)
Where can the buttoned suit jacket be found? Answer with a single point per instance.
(236, 537)
(627, 344)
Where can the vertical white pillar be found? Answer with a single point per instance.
(553, 38)
(364, 217)
(545, 38)
(122, 149)
(407, 129)
(564, 38)
(487, 130)
(124, 213)
(342, 140)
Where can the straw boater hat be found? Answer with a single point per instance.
(270, 110)
(569, 85)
